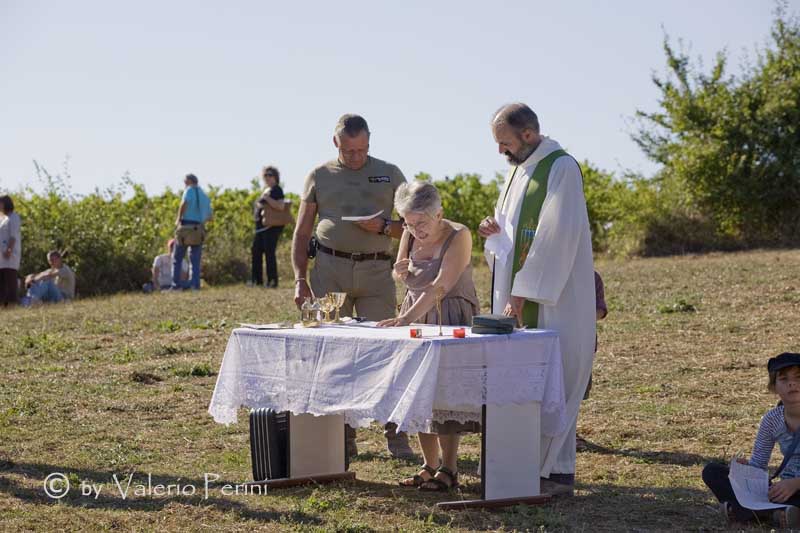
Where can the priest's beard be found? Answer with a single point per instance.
(524, 152)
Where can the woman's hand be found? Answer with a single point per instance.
(783, 490)
(401, 268)
(393, 322)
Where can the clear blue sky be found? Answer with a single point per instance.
(159, 89)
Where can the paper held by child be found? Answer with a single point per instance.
(365, 217)
(751, 486)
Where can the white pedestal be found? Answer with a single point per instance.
(316, 445)
(510, 449)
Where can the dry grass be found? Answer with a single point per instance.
(118, 385)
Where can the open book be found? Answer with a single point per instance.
(751, 486)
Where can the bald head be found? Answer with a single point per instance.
(518, 116)
(516, 131)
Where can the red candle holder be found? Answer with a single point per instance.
(459, 333)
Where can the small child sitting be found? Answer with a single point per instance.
(780, 425)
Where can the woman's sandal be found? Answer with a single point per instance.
(418, 480)
(437, 485)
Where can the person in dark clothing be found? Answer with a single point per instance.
(265, 241)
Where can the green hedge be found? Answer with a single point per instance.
(111, 236)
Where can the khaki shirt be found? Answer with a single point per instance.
(339, 191)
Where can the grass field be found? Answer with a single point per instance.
(116, 385)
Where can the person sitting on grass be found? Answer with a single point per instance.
(162, 271)
(780, 425)
(55, 284)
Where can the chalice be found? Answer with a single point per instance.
(326, 306)
(338, 302)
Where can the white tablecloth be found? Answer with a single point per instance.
(383, 374)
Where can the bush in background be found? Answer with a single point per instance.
(110, 237)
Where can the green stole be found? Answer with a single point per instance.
(528, 222)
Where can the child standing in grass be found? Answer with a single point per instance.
(780, 425)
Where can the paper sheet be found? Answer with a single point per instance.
(751, 486)
(365, 217)
(278, 325)
(501, 244)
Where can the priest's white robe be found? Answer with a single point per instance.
(558, 274)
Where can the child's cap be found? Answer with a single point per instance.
(783, 360)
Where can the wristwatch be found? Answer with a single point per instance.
(387, 227)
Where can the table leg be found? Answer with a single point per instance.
(510, 445)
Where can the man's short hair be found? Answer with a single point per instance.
(53, 253)
(351, 125)
(517, 115)
(192, 178)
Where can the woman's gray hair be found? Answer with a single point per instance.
(417, 197)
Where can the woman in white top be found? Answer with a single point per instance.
(10, 251)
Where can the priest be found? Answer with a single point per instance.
(543, 274)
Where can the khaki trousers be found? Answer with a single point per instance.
(368, 284)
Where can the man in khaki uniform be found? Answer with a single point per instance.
(352, 256)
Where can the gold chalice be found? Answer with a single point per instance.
(326, 306)
(338, 302)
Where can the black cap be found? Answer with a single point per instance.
(783, 360)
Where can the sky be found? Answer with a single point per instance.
(157, 89)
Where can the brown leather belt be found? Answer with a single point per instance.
(358, 256)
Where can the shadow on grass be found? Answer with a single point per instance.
(384, 456)
(667, 458)
(596, 507)
(111, 495)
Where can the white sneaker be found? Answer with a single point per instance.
(727, 513)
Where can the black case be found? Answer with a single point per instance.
(269, 444)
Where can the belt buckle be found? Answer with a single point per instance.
(357, 256)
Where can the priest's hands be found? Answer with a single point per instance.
(514, 308)
(392, 322)
(488, 227)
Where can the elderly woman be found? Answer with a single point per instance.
(434, 257)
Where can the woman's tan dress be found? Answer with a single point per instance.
(458, 307)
